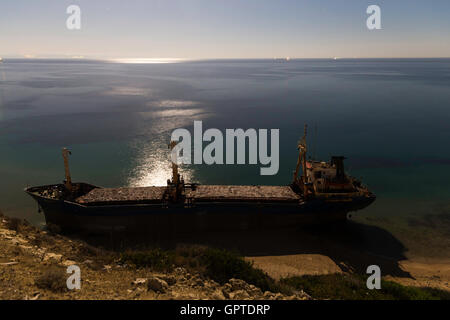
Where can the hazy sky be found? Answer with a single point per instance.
(198, 29)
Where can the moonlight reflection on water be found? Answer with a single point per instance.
(154, 168)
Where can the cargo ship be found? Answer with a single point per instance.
(322, 193)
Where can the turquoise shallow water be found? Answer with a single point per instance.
(390, 118)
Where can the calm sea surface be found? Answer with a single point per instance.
(390, 118)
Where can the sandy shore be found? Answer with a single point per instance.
(436, 275)
(419, 258)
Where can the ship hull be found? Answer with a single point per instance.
(169, 219)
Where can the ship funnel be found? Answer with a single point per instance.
(338, 162)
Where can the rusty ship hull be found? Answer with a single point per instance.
(154, 216)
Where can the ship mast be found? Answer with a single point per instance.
(174, 163)
(68, 181)
(176, 185)
(302, 147)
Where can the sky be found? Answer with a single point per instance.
(217, 29)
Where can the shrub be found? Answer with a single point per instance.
(353, 287)
(13, 224)
(53, 279)
(413, 293)
(222, 265)
(155, 259)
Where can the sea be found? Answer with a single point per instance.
(389, 117)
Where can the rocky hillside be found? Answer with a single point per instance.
(33, 265)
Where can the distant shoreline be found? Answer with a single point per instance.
(181, 60)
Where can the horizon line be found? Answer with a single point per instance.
(178, 60)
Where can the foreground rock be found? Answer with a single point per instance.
(156, 284)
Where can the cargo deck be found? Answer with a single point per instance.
(100, 196)
(201, 193)
(243, 193)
